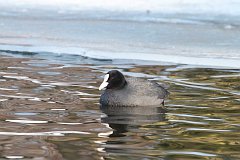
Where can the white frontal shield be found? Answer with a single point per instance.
(104, 83)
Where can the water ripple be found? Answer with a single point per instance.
(188, 122)
(191, 153)
(208, 130)
(23, 78)
(25, 121)
(52, 133)
(8, 89)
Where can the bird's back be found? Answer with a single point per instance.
(137, 92)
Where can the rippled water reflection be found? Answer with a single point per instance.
(50, 110)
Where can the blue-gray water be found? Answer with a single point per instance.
(52, 62)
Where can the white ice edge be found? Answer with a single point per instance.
(159, 57)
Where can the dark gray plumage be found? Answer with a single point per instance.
(121, 91)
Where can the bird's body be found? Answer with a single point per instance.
(136, 92)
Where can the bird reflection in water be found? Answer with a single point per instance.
(124, 118)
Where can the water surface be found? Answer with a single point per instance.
(50, 110)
